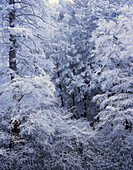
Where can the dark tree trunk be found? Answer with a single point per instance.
(85, 105)
(58, 74)
(12, 51)
(62, 101)
(73, 97)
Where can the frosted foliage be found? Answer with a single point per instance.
(75, 62)
(29, 34)
(114, 41)
(25, 95)
(87, 47)
(74, 59)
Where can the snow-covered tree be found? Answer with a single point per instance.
(23, 32)
(73, 53)
(114, 76)
(69, 54)
(25, 87)
(113, 42)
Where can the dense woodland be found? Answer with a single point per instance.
(66, 85)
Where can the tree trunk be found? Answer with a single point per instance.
(85, 105)
(12, 51)
(73, 98)
(58, 74)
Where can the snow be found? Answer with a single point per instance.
(69, 103)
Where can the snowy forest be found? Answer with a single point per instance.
(66, 85)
